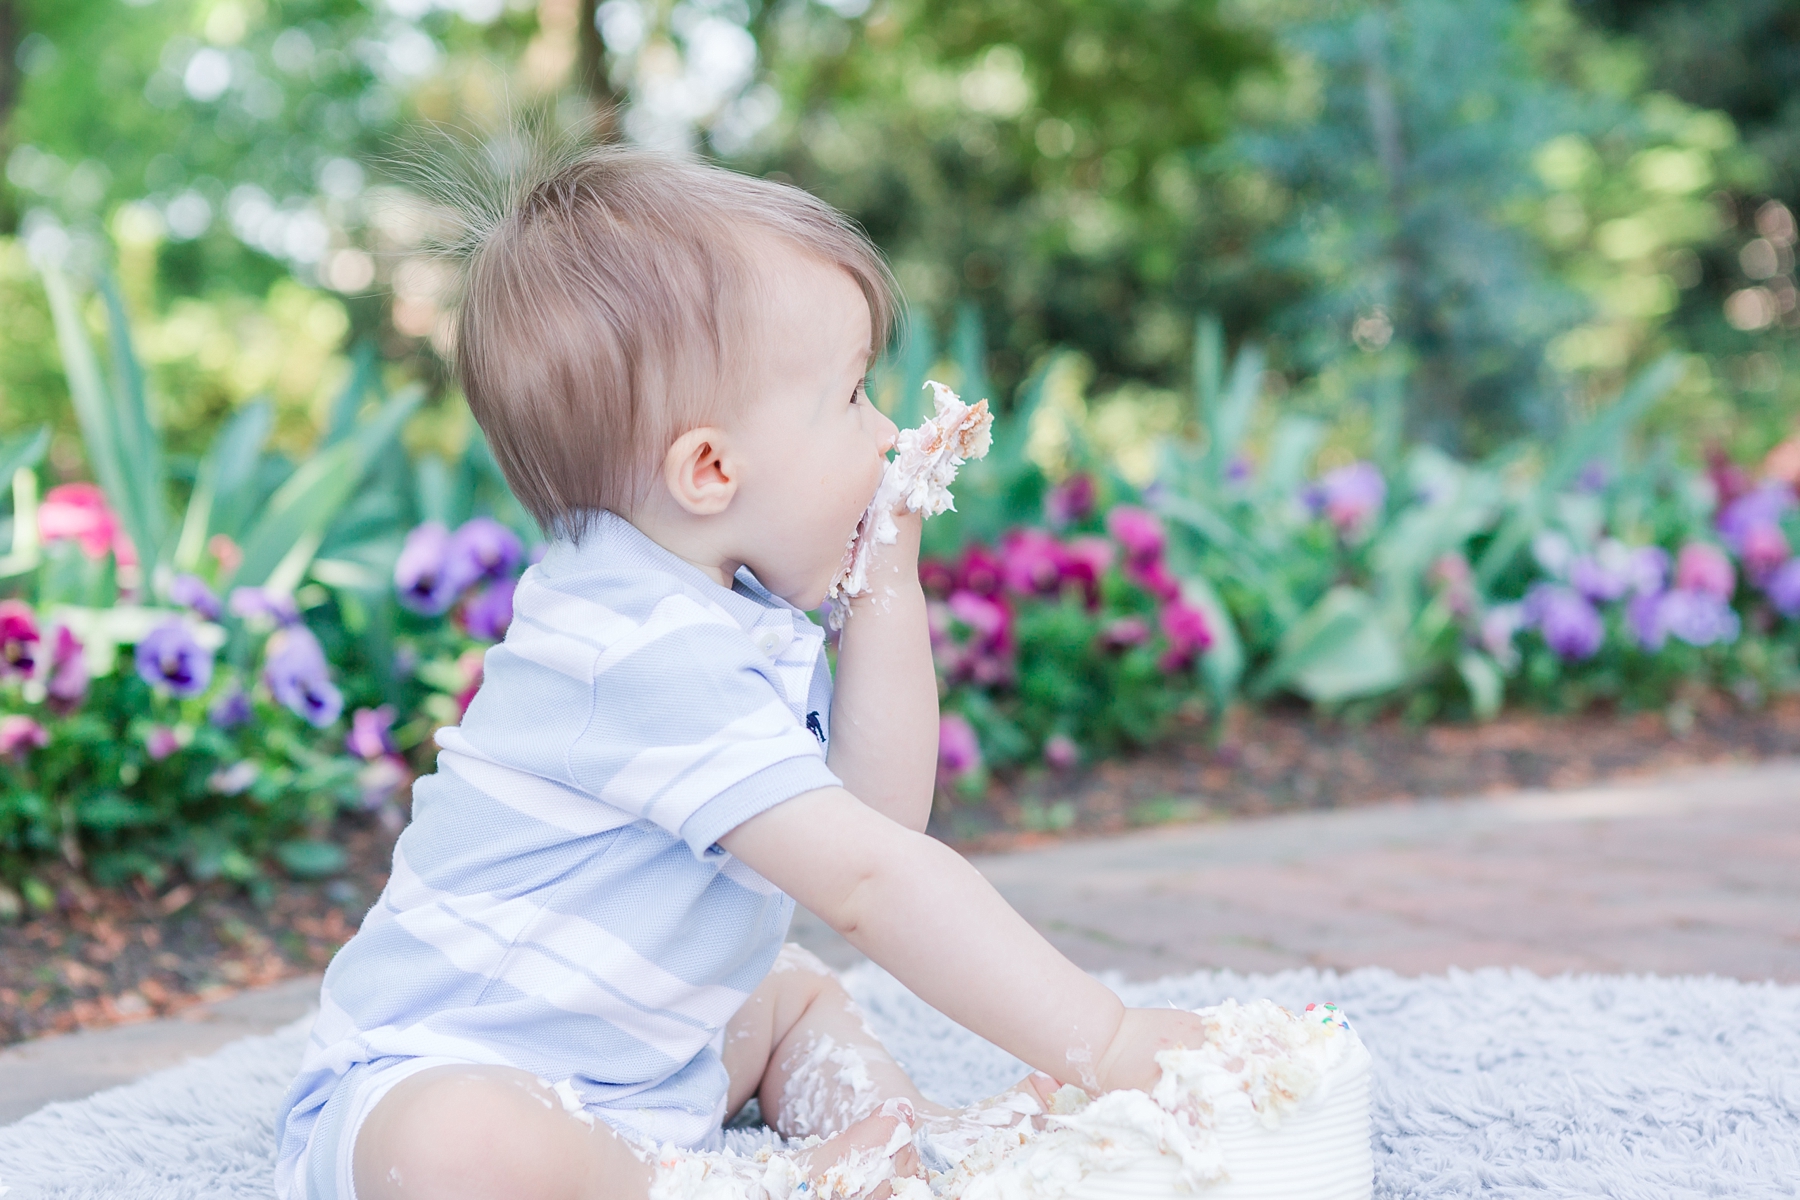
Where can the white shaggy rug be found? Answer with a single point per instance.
(1491, 1083)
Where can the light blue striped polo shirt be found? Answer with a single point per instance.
(559, 902)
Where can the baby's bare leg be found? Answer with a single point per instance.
(489, 1133)
(800, 1046)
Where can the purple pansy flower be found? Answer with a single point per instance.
(298, 677)
(1606, 574)
(169, 657)
(1699, 618)
(1756, 509)
(423, 574)
(1070, 501)
(1348, 497)
(1499, 625)
(489, 611)
(1570, 626)
(368, 737)
(482, 548)
(191, 593)
(231, 709)
(1763, 548)
(261, 604)
(1783, 588)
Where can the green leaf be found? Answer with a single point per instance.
(303, 508)
(968, 349)
(1225, 409)
(139, 440)
(97, 416)
(1338, 650)
(230, 463)
(311, 860)
(1487, 687)
(25, 450)
(364, 368)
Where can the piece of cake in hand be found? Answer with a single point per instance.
(1273, 1106)
(924, 465)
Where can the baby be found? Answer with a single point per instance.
(578, 957)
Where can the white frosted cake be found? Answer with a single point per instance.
(1274, 1106)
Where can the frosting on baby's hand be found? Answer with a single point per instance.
(924, 465)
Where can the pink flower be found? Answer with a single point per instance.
(80, 511)
(987, 619)
(1704, 568)
(959, 750)
(1031, 561)
(1764, 547)
(937, 577)
(368, 737)
(1188, 633)
(66, 681)
(18, 638)
(162, 742)
(1139, 531)
(1349, 496)
(20, 735)
(1126, 631)
(1061, 752)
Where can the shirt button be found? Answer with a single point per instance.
(769, 641)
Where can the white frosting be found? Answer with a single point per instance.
(919, 476)
(1272, 1106)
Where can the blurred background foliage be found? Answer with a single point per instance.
(1451, 222)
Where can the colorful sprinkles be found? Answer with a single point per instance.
(1328, 1015)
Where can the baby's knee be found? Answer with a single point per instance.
(472, 1133)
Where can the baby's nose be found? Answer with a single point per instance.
(890, 432)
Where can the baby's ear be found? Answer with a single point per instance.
(699, 472)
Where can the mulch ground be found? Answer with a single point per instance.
(110, 957)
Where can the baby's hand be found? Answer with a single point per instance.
(894, 566)
(1130, 1062)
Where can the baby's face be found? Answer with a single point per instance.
(811, 446)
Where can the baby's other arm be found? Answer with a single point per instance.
(919, 909)
(884, 714)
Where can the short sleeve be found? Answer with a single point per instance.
(691, 731)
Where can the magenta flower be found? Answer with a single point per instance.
(488, 612)
(482, 548)
(161, 742)
(1704, 568)
(18, 639)
(1349, 497)
(1070, 501)
(20, 735)
(170, 659)
(937, 577)
(1084, 562)
(368, 737)
(959, 750)
(987, 619)
(191, 593)
(979, 572)
(1570, 625)
(1156, 578)
(80, 511)
(67, 683)
(1031, 562)
(1187, 632)
(424, 576)
(1061, 753)
(1139, 531)
(294, 667)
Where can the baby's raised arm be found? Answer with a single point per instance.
(920, 910)
(884, 714)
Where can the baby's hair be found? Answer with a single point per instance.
(608, 299)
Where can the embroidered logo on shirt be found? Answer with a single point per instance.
(813, 727)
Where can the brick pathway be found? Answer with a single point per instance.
(1697, 873)
(1691, 874)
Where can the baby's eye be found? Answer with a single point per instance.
(860, 391)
